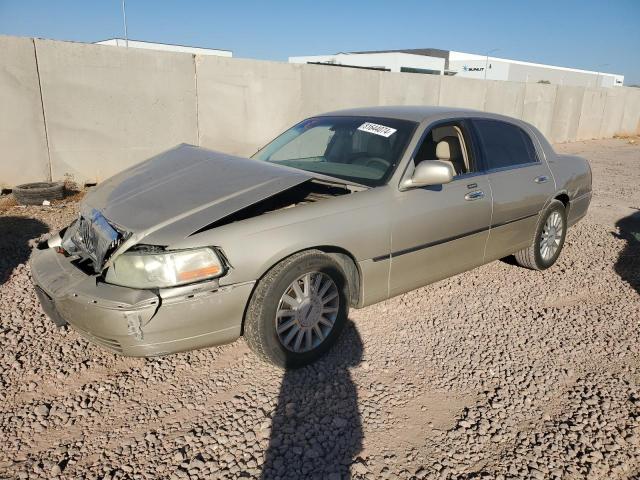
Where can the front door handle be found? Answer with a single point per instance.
(474, 195)
(541, 179)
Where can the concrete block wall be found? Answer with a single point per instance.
(241, 103)
(108, 108)
(630, 123)
(505, 98)
(23, 145)
(539, 105)
(92, 110)
(462, 93)
(591, 113)
(409, 89)
(614, 107)
(566, 114)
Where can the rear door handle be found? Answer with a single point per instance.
(474, 195)
(541, 179)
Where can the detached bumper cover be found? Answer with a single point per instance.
(138, 322)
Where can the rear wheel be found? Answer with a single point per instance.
(548, 239)
(297, 310)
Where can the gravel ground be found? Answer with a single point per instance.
(500, 372)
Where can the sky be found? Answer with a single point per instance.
(589, 34)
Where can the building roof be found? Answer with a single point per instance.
(426, 52)
(118, 41)
(446, 54)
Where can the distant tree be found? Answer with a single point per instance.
(635, 85)
(546, 82)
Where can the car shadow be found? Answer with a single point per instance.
(628, 263)
(316, 431)
(510, 260)
(15, 233)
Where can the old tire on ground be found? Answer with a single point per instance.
(36, 193)
(297, 310)
(548, 239)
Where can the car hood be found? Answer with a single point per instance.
(185, 188)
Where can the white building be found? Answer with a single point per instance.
(389, 61)
(121, 42)
(445, 62)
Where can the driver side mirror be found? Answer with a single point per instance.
(430, 172)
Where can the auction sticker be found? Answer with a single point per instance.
(377, 129)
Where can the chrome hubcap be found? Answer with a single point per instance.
(551, 236)
(307, 312)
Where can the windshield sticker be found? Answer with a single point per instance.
(377, 129)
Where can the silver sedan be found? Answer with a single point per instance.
(194, 248)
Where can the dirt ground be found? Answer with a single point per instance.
(500, 372)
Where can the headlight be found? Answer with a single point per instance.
(166, 269)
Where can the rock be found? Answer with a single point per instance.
(41, 410)
(359, 468)
(339, 422)
(177, 457)
(421, 473)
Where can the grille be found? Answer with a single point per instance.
(95, 237)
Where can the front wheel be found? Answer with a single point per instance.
(548, 239)
(297, 310)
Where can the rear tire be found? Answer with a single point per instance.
(548, 239)
(297, 310)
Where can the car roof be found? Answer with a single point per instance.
(415, 113)
(424, 113)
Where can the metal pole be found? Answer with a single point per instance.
(124, 19)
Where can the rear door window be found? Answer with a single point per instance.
(503, 144)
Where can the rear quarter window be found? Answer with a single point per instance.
(503, 144)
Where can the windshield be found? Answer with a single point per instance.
(364, 150)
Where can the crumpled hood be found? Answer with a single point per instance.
(183, 189)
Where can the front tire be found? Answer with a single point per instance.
(548, 239)
(297, 310)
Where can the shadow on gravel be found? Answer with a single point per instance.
(316, 432)
(15, 233)
(628, 263)
(510, 260)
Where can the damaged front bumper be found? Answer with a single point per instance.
(134, 322)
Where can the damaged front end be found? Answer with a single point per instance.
(92, 237)
(82, 250)
(119, 275)
(133, 321)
